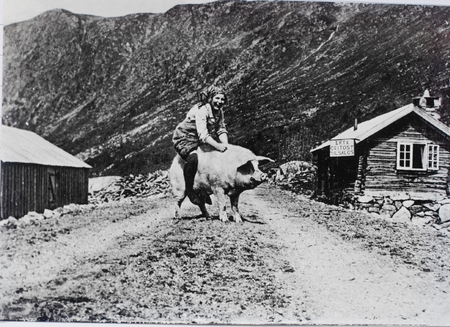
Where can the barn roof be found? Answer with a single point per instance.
(372, 126)
(18, 145)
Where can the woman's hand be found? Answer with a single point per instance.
(221, 147)
(218, 146)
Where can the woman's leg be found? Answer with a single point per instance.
(190, 169)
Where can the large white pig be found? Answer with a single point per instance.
(220, 173)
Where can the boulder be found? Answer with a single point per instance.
(408, 203)
(26, 220)
(432, 206)
(420, 214)
(444, 213)
(34, 216)
(70, 208)
(48, 214)
(403, 215)
(365, 199)
(12, 220)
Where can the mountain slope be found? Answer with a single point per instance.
(111, 90)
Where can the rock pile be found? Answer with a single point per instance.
(34, 218)
(133, 186)
(296, 176)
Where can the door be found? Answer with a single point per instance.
(52, 189)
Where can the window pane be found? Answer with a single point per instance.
(404, 155)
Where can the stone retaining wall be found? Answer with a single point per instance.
(406, 209)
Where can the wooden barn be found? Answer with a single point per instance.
(37, 175)
(403, 154)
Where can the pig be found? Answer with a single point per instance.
(219, 173)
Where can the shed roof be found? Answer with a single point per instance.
(374, 125)
(18, 145)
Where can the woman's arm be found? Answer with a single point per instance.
(218, 146)
(223, 138)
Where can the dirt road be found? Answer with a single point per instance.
(292, 261)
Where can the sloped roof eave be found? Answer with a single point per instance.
(379, 123)
(22, 146)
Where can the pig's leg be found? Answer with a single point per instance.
(221, 201)
(180, 200)
(234, 208)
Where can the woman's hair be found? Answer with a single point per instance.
(205, 97)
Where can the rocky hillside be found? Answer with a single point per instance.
(111, 90)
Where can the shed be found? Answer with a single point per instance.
(37, 175)
(402, 154)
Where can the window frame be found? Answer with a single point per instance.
(426, 160)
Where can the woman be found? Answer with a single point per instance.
(204, 124)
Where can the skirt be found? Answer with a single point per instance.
(184, 141)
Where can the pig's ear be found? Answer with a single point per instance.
(263, 160)
(247, 168)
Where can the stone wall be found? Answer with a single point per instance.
(404, 208)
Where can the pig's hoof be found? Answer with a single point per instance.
(224, 218)
(238, 219)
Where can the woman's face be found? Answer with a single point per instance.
(218, 101)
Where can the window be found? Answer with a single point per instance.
(417, 156)
(433, 157)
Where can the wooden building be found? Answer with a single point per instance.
(403, 154)
(37, 175)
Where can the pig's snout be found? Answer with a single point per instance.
(264, 177)
(259, 177)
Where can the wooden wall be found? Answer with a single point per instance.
(29, 187)
(381, 175)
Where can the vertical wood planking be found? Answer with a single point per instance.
(25, 188)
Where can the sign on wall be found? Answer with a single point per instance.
(342, 148)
